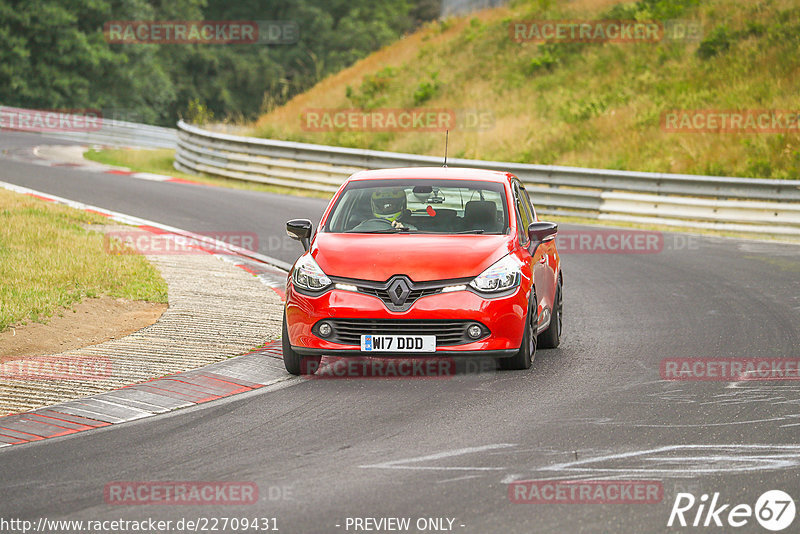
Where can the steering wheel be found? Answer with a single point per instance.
(387, 222)
(384, 224)
(375, 224)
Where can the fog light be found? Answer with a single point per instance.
(474, 331)
(325, 329)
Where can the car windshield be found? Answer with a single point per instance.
(420, 206)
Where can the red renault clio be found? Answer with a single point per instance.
(424, 261)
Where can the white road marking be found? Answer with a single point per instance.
(151, 176)
(400, 464)
(606, 421)
(694, 425)
(719, 463)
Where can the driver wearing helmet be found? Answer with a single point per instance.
(390, 204)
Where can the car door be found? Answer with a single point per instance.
(542, 256)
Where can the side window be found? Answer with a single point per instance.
(526, 200)
(523, 217)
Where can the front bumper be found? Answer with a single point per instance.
(502, 316)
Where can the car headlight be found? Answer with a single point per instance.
(308, 275)
(502, 275)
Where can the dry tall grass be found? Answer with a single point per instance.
(590, 105)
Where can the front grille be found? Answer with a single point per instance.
(415, 294)
(399, 292)
(447, 332)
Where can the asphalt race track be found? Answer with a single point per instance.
(325, 450)
(197, 209)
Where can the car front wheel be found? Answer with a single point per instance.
(527, 350)
(294, 363)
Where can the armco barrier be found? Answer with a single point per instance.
(107, 132)
(747, 205)
(122, 133)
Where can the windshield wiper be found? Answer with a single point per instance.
(479, 231)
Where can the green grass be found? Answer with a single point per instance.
(583, 104)
(49, 261)
(159, 161)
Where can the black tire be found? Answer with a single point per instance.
(551, 338)
(294, 363)
(527, 351)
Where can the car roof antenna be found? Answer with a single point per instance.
(446, 139)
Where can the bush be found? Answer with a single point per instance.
(426, 90)
(583, 109)
(371, 94)
(651, 9)
(666, 9)
(198, 113)
(718, 41)
(545, 61)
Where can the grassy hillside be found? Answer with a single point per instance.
(584, 104)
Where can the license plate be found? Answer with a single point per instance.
(372, 343)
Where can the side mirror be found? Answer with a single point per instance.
(300, 229)
(541, 231)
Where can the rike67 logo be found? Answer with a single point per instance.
(774, 510)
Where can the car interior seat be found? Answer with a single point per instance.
(480, 215)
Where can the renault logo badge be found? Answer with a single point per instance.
(399, 291)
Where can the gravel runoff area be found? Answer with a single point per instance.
(216, 311)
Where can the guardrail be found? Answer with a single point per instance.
(747, 205)
(102, 131)
(730, 204)
(122, 133)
